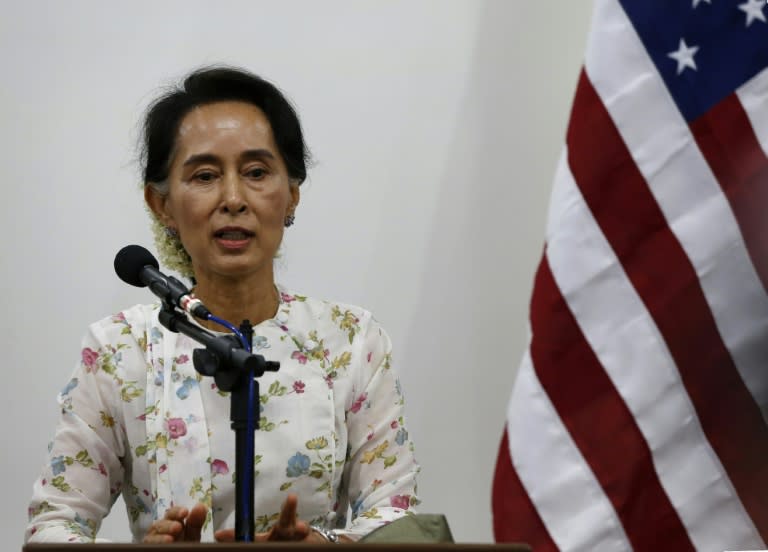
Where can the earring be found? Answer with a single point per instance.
(289, 220)
(171, 232)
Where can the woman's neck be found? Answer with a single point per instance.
(235, 300)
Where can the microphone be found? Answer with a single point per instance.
(138, 267)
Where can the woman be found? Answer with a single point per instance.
(224, 160)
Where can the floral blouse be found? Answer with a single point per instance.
(138, 420)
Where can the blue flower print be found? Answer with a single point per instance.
(155, 335)
(144, 508)
(58, 465)
(186, 386)
(357, 505)
(298, 464)
(402, 436)
(260, 342)
(69, 387)
(84, 526)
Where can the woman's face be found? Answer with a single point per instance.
(229, 190)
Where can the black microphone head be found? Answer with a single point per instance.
(130, 261)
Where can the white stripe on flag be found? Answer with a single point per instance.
(626, 341)
(669, 159)
(754, 99)
(555, 475)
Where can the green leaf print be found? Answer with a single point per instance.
(130, 392)
(373, 513)
(277, 390)
(134, 512)
(43, 507)
(346, 321)
(84, 459)
(197, 487)
(262, 523)
(59, 483)
(317, 443)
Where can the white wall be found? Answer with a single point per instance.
(436, 126)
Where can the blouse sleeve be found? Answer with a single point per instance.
(381, 468)
(83, 473)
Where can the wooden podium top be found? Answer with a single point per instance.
(276, 547)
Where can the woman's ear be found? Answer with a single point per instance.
(295, 197)
(157, 204)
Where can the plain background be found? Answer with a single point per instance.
(435, 125)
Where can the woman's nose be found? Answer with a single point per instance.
(233, 198)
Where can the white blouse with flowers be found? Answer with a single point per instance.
(137, 419)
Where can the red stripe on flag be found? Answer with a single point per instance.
(728, 141)
(663, 276)
(599, 421)
(514, 516)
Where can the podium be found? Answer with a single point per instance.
(274, 547)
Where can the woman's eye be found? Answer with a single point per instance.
(205, 176)
(256, 172)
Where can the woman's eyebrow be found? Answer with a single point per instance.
(200, 158)
(256, 154)
(214, 159)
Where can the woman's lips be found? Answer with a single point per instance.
(233, 238)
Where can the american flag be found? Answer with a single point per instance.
(638, 417)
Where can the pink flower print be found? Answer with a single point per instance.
(102, 469)
(400, 501)
(145, 491)
(329, 381)
(326, 353)
(370, 355)
(393, 425)
(219, 467)
(301, 357)
(358, 403)
(163, 468)
(298, 386)
(376, 483)
(89, 357)
(286, 298)
(176, 428)
(182, 359)
(370, 436)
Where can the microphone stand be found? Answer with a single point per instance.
(233, 369)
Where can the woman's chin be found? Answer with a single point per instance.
(235, 267)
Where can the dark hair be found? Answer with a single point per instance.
(216, 84)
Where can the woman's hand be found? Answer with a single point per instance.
(179, 524)
(287, 528)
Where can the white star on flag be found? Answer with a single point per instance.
(697, 2)
(754, 10)
(684, 56)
